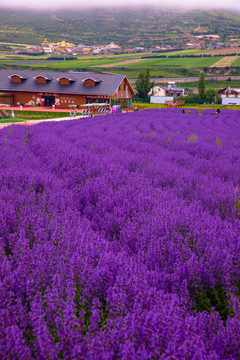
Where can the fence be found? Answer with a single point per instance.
(141, 100)
(188, 101)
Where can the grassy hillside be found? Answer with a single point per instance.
(127, 27)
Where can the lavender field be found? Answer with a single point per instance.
(120, 237)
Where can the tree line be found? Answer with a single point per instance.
(143, 86)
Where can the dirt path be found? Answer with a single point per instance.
(226, 61)
(120, 63)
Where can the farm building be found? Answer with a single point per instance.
(229, 96)
(160, 94)
(172, 90)
(229, 92)
(63, 89)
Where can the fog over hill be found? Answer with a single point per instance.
(56, 4)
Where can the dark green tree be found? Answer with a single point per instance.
(201, 86)
(144, 84)
(211, 95)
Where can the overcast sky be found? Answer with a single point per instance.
(55, 4)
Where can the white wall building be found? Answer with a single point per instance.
(230, 101)
(157, 91)
(47, 50)
(160, 99)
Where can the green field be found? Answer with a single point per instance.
(236, 63)
(74, 64)
(198, 62)
(214, 84)
(190, 52)
(166, 67)
(183, 62)
(6, 60)
(159, 67)
(158, 72)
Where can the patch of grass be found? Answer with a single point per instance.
(149, 106)
(8, 120)
(38, 115)
(216, 84)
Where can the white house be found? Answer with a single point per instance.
(229, 92)
(229, 96)
(157, 91)
(47, 50)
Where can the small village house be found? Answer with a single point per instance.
(229, 96)
(161, 94)
(229, 92)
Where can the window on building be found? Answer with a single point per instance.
(64, 81)
(16, 79)
(41, 80)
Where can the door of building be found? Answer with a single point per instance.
(49, 101)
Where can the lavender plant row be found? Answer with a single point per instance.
(120, 237)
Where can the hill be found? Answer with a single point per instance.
(125, 26)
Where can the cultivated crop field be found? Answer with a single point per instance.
(184, 62)
(120, 237)
(129, 65)
(158, 66)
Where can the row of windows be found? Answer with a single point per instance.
(43, 80)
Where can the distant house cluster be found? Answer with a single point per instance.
(66, 48)
(166, 93)
(169, 90)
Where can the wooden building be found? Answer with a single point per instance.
(37, 88)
